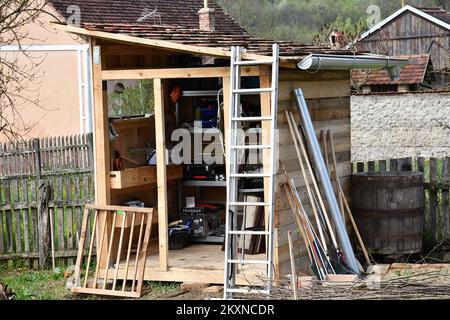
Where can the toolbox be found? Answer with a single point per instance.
(198, 225)
(179, 237)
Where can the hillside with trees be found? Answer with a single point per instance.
(304, 20)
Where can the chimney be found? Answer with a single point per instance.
(206, 16)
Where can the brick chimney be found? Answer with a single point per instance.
(206, 16)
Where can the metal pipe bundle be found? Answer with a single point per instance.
(324, 179)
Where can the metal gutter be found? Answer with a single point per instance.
(316, 62)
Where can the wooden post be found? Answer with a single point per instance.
(265, 101)
(37, 158)
(90, 150)
(433, 198)
(445, 197)
(102, 147)
(226, 110)
(161, 174)
(360, 167)
(101, 131)
(43, 221)
(382, 165)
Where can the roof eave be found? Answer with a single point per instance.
(167, 45)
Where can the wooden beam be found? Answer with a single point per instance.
(161, 175)
(101, 207)
(226, 110)
(129, 50)
(163, 44)
(101, 133)
(182, 73)
(101, 144)
(265, 101)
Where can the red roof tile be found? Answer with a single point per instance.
(182, 13)
(413, 73)
(200, 38)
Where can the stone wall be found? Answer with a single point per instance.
(400, 125)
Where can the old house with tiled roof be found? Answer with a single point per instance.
(70, 112)
(417, 75)
(413, 31)
(404, 117)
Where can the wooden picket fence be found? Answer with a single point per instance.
(437, 186)
(38, 178)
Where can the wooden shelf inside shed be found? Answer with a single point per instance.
(142, 176)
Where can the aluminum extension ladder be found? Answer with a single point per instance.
(232, 261)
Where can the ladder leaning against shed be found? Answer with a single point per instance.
(233, 175)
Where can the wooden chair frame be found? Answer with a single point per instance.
(102, 224)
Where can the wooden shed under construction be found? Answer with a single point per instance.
(189, 63)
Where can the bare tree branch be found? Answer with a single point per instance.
(19, 72)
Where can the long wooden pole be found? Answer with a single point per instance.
(299, 224)
(303, 225)
(314, 181)
(345, 203)
(293, 268)
(305, 177)
(335, 171)
(303, 216)
(355, 227)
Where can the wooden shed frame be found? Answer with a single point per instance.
(329, 92)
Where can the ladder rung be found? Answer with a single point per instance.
(252, 91)
(253, 62)
(239, 261)
(250, 204)
(254, 146)
(252, 119)
(249, 233)
(250, 175)
(248, 291)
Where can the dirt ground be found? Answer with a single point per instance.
(396, 281)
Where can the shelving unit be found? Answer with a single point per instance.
(196, 183)
(201, 93)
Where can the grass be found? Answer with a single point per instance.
(158, 287)
(46, 285)
(34, 285)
